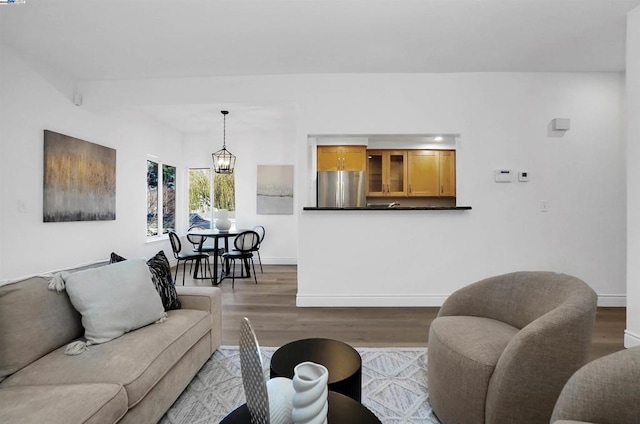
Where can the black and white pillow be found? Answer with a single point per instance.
(161, 276)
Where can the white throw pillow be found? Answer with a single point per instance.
(114, 299)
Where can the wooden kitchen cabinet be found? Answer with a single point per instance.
(431, 173)
(423, 168)
(342, 158)
(447, 173)
(386, 173)
(412, 173)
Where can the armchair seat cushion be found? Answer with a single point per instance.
(466, 350)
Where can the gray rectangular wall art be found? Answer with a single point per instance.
(275, 190)
(79, 180)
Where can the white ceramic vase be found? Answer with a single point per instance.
(222, 223)
(310, 398)
(280, 392)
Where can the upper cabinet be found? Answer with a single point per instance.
(447, 173)
(386, 173)
(414, 173)
(342, 158)
(423, 167)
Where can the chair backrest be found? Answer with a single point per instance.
(176, 246)
(519, 298)
(260, 230)
(196, 240)
(253, 380)
(246, 241)
(605, 390)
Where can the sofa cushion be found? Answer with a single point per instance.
(472, 347)
(63, 404)
(33, 322)
(161, 277)
(137, 360)
(114, 299)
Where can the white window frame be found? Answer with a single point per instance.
(160, 213)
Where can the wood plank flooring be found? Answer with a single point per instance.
(271, 307)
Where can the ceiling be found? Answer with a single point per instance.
(130, 39)
(90, 40)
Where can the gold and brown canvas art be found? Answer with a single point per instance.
(79, 180)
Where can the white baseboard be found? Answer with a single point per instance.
(370, 301)
(436, 300)
(612, 300)
(265, 261)
(279, 261)
(631, 339)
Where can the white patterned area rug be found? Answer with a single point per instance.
(394, 387)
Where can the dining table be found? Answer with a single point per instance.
(216, 235)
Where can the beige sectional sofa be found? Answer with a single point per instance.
(134, 378)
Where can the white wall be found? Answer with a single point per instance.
(632, 333)
(30, 104)
(418, 258)
(400, 258)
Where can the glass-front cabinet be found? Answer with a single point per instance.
(386, 173)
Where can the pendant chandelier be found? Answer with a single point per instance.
(223, 160)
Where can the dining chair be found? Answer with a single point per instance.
(176, 246)
(199, 247)
(244, 245)
(260, 230)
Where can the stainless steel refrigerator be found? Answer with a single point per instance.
(342, 189)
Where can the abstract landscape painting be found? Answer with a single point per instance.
(79, 180)
(275, 190)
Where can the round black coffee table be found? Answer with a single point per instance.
(342, 361)
(342, 409)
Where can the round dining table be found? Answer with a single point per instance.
(216, 235)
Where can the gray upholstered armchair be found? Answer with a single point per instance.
(501, 350)
(604, 391)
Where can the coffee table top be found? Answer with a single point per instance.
(342, 409)
(339, 358)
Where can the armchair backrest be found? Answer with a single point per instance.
(519, 298)
(605, 390)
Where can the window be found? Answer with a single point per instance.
(205, 185)
(199, 198)
(224, 192)
(160, 220)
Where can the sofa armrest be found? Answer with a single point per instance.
(208, 299)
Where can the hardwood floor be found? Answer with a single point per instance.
(270, 305)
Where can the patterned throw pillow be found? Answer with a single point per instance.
(161, 277)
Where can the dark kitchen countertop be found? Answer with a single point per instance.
(395, 208)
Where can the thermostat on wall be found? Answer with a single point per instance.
(503, 175)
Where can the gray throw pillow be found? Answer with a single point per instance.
(161, 277)
(114, 299)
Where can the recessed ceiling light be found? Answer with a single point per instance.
(438, 138)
